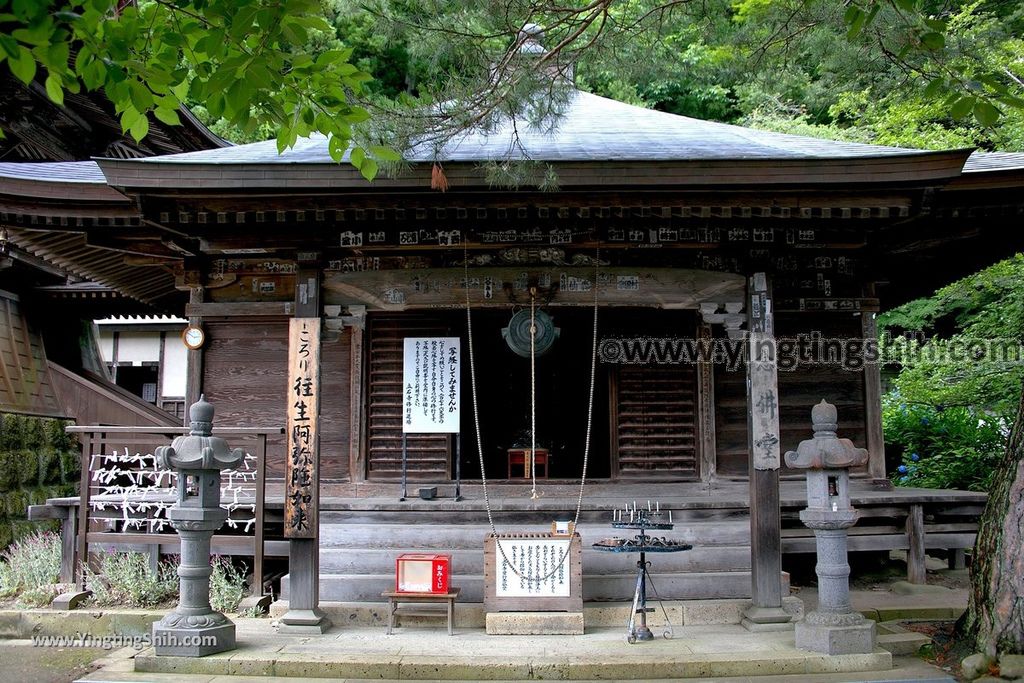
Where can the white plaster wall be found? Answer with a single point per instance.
(138, 347)
(107, 345)
(175, 366)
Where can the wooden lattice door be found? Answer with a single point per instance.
(654, 428)
(428, 454)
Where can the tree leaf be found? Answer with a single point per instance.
(168, 116)
(961, 108)
(357, 157)
(368, 169)
(140, 128)
(986, 113)
(54, 90)
(23, 66)
(933, 40)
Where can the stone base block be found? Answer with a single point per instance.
(535, 623)
(303, 622)
(193, 642)
(836, 640)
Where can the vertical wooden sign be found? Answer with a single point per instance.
(762, 379)
(302, 470)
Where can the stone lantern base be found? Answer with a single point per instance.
(182, 636)
(855, 636)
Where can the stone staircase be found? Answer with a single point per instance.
(358, 550)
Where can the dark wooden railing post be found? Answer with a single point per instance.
(88, 444)
(260, 510)
(916, 571)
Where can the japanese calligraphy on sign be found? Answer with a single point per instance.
(533, 560)
(762, 380)
(431, 399)
(302, 464)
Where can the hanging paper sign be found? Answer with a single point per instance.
(430, 372)
(302, 464)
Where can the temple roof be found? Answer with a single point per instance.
(591, 128)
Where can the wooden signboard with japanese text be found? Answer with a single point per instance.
(302, 466)
(546, 574)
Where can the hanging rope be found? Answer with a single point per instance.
(533, 394)
(476, 414)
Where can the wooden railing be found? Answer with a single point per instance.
(141, 507)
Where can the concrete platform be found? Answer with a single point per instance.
(430, 654)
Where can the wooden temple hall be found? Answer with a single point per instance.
(686, 243)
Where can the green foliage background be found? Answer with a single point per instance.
(38, 460)
(956, 387)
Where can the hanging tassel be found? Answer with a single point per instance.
(438, 180)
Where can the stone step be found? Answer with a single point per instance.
(669, 586)
(444, 537)
(470, 561)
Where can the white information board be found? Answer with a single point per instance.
(430, 373)
(533, 558)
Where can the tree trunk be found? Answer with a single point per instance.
(995, 615)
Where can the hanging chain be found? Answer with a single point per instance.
(476, 418)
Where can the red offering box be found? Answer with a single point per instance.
(423, 573)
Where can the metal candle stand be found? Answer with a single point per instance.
(643, 520)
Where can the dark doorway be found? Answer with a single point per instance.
(562, 387)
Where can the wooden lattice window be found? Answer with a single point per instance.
(428, 454)
(654, 428)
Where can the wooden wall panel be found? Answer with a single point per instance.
(799, 390)
(245, 377)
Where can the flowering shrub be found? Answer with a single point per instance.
(126, 580)
(942, 447)
(227, 585)
(29, 567)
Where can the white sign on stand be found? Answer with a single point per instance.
(430, 373)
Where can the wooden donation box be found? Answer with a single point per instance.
(533, 572)
(524, 458)
(423, 573)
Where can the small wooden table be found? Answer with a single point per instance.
(395, 597)
(520, 457)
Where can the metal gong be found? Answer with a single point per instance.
(517, 334)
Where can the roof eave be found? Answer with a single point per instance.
(925, 167)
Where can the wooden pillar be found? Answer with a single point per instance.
(916, 571)
(766, 610)
(356, 322)
(873, 404)
(706, 409)
(304, 615)
(194, 371)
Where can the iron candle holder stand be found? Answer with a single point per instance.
(643, 521)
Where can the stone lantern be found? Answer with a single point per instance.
(833, 627)
(194, 629)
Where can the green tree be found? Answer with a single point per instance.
(236, 58)
(970, 366)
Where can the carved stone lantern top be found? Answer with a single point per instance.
(199, 450)
(826, 451)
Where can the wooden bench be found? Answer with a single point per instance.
(395, 598)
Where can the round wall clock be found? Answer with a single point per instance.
(193, 336)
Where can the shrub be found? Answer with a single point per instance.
(227, 585)
(30, 564)
(126, 580)
(942, 447)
